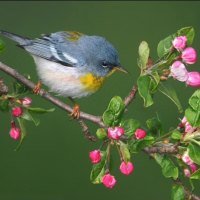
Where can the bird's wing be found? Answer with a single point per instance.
(51, 49)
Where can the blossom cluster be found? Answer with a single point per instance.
(16, 112)
(188, 56)
(126, 167)
(188, 129)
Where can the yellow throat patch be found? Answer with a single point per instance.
(91, 82)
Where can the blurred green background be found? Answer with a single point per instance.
(53, 162)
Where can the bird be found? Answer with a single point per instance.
(71, 64)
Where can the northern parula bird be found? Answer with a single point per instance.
(71, 64)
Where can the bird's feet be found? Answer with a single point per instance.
(76, 112)
(37, 87)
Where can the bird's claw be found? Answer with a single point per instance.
(37, 87)
(76, 112)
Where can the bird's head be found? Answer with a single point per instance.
(102, 57)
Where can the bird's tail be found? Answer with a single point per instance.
(17, 38)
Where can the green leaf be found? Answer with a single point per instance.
(112, 115)
(169, 170)
(130, 126)
(188, 32)
(154, 125)
(125, 151)
(143, 54)
(40, 110)
(195, 175)
(4, 105)
(29, 117)
(155, 80)
(176, 135)
(2, 45)
(165, 45)
(108, 117)
(19, 88)
(116, 105)
(23, 132)
(194, 100)
(193, 112)
(171, 94)
(144, 88)
(98, 170)
(178, 192)
(137, 145)
(193, 117)
(194, 153)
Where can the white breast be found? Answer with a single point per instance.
(60, 79)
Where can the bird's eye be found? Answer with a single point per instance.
(105, 65)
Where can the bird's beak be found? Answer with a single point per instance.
(121, 69)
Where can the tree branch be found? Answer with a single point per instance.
(163, 149)
(12, 72)
(189, 194)
(170, 149)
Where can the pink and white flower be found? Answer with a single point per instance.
(193, 167)
(189, 55)
(178, 71)
(180, 42)
(115, 133)
(193, 79)
(26, 101)
(186, 158)
(188, 127)
(187, 172)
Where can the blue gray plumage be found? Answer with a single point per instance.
(92, 53)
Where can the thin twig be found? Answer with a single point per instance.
(86, 131)
(128, 99)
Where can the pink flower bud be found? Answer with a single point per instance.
(187, 126)
(126, 168)
(26, 101)
(109, 181)
(189, 55)
(95, 156)
(14, 131)
(178, 71)
(193, 167)
(179, 43)
(187, 172)
(115, 133)
(186, 158)
(17, 111)
(140, 134)
(193, 79)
